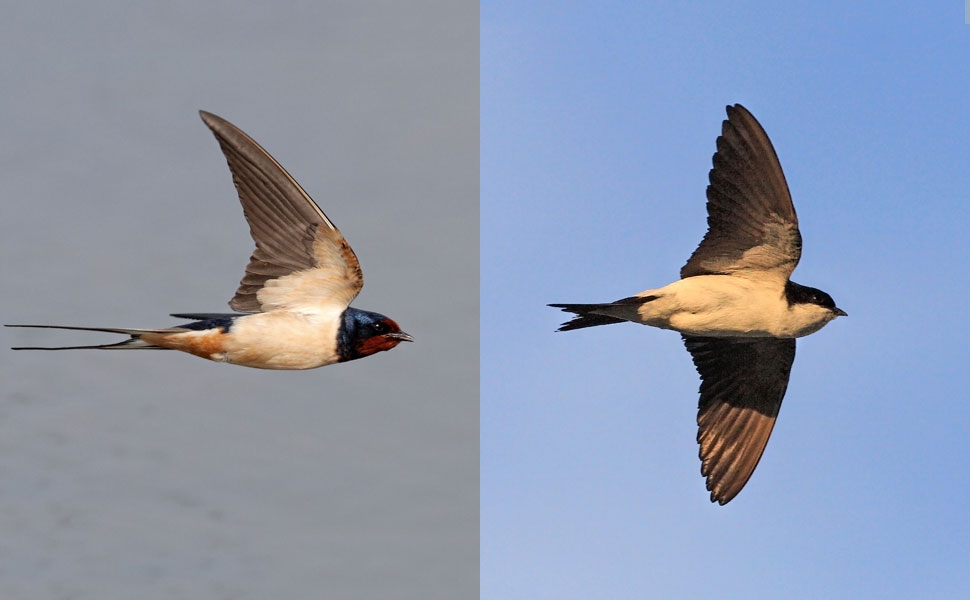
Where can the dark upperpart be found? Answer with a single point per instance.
(205, 321)
(363, 333)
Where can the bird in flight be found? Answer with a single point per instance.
(293, 304)
(734, 305)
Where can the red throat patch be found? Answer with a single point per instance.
(379, 343)
(375, 344)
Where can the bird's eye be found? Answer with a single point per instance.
(379, 328)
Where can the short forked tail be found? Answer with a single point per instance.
(586, 315)
(133, 343)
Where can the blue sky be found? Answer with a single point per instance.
(598, 123)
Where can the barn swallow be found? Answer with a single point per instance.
(735, 306)
(293, 304)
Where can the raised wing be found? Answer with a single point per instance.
(743, 381)
(752, 226)
(301, 259)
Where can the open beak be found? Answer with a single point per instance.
(400, 336)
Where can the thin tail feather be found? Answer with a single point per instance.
(134, 343)
(130, 344)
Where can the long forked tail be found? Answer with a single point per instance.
(586, 315)
(133, 343)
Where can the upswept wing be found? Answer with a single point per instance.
(301, 259)
(743, 381)
(752, 226)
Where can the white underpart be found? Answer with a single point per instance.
(725, 306)
(285, 339)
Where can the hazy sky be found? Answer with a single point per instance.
(159, 475)
(598, 126)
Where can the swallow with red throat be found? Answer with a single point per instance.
(293, 304)
(735, 305)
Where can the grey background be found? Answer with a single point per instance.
(160, 475)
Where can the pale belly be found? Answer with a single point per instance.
(721, 306)
(282, 340)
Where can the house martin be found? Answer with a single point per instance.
(734, 305)
(293, 304)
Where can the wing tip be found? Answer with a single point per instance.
(209, 118)
(722, 489)
(219, 126)
(739, 109)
